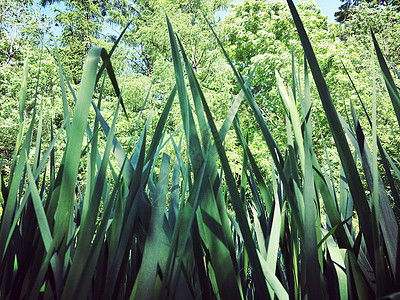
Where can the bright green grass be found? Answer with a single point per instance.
(156, 228)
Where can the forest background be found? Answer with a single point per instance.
(250, 32)
(42, 58)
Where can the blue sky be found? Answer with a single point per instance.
(328, 7)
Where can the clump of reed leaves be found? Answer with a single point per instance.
(173, 237)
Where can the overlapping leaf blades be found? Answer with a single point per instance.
(140, 234)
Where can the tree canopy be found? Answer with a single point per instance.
(345, 8)
(262, 33)
(82, 27)
(255, 33)
(148, 44)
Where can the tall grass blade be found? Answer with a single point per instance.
(124, 235)
(212, 219)
(358, 288)
(117, 149)
(174, 196)
(160, 125)
(22, 101)
(290, 104)
(107, 65)
(382, 152)
(181, 231)
(313, 268)
(340, 267)
(15, 181)
(44, 229)
(145, 282)
(88, 225)
(273, 241)
(273, 148)
(391, 87)
(39, 169)
(354, 181)
(264, 190)
(72, 156)
(386, 218)
(99, 244)
(63, 95)
(236, 202)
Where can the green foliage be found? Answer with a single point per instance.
(348, 5)
(384, 22)
(149, 48)
(102, 218)
(263, 33)
(355, 32)
(82, 24)
(21, 26)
